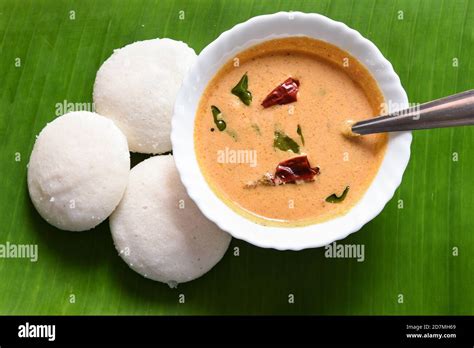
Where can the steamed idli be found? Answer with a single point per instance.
(137, 87)
(159, 231)
(78, 170)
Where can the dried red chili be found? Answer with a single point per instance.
(295, 169)
(282, 94)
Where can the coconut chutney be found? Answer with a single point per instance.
(268, 132)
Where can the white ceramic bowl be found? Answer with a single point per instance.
(224, 48)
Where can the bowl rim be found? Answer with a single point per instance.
(227, 45)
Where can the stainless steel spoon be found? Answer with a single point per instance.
(452, 111)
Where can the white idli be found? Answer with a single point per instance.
(78, 170)
(159, 231)
(137, 87)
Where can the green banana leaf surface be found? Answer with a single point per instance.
(419, 252)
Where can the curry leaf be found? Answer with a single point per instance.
(284, 143)
(218, 118)
(300, 133)
(337, 199)
(241, 90)
(233, 134)
(256, 128)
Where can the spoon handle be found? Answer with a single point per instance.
(454, 110)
